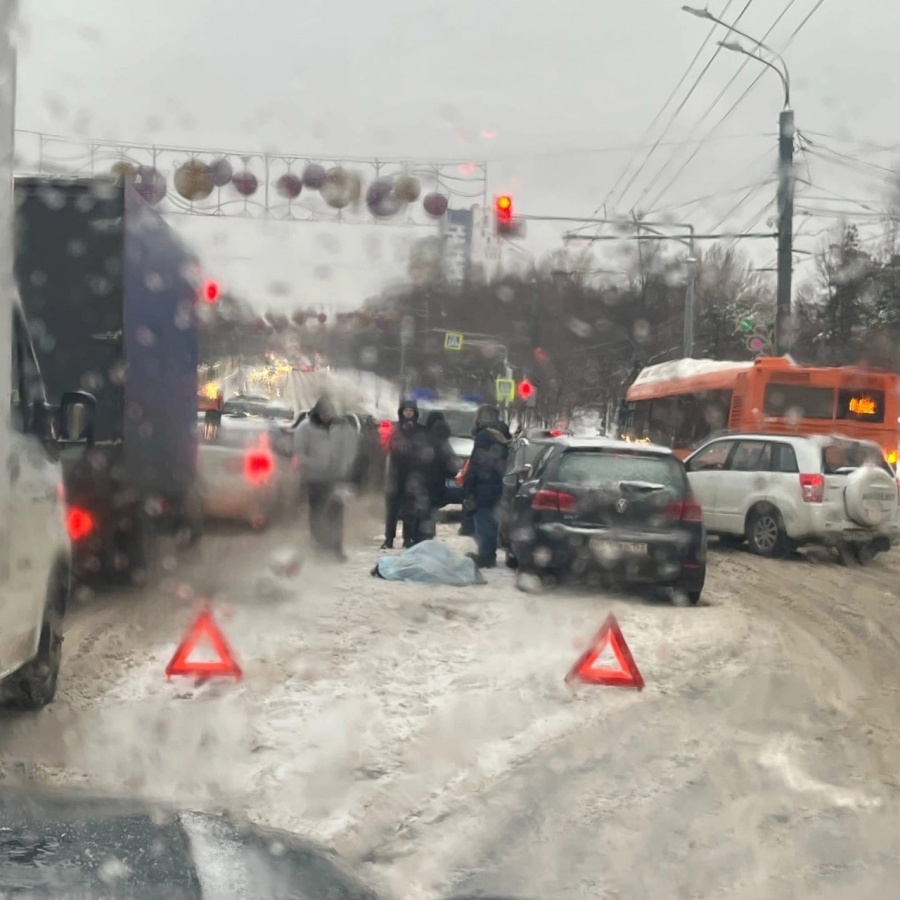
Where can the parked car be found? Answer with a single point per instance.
(618, 512)
(247, 470)
(523, 452)
(779, 492)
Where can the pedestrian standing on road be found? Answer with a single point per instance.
(327, 448)
(402, 467)
(440, 463)
(483, 486)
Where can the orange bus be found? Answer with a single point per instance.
(681, 403)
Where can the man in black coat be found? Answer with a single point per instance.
(403, 465)
(483, 486)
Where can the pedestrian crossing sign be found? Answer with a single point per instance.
(453, 340)
(506, 390)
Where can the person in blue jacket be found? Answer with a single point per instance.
(483, 486)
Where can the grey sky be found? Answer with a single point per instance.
(561, 85)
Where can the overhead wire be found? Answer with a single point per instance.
(665, 106)
(636, 174)
(747, 90)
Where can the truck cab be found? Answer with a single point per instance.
(36, 555)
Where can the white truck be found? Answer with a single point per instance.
(35, 551)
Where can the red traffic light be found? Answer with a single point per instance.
(211, 291)
(503, 207)
(526, 389)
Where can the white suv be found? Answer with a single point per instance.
(781, 491)
(35, 559)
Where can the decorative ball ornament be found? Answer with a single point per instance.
(314, 176)
(193, 180)
(150, 184)
(435, 204)
(322, 318)
(123, 171)
(289, 186)
(245, 183)
(381, 199)
(221, 172)
(407, 188)
(337, 189)
(299, 319)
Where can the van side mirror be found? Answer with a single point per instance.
(76, 418)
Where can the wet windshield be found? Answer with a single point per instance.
(235, 584)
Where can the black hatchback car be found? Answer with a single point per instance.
(618, 512)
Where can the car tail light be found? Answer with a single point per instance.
(384, 432)
(812, 487)
(687, 510)
(555, 432)
(553, 501)
(258, 466)
(79, 523)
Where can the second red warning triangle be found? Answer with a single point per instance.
(589, 668)
(204, 631)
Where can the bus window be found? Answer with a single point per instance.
(798, 400)
(861, 406)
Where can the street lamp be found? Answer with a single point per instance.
(785, 175)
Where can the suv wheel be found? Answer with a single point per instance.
(865, 553)
(33, 686)
(765, 532)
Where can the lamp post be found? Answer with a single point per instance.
(785, 176)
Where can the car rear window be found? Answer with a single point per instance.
(599, 466)
(851, 455)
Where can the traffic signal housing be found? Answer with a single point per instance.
(506, 223)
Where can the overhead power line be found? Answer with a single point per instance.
(652, 204)
(737, 102)
(663, 108)
(681, 106)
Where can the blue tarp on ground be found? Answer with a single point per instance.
(430, 562)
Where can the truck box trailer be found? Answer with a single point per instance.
(110, 293)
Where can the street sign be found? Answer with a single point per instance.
(506, 390)
(453, 340)
(746, 325)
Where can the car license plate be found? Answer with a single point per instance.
(609, 549)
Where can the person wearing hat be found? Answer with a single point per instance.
(483, 486)
(400, 490)
(327, 449)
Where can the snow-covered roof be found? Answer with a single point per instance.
(685, 368)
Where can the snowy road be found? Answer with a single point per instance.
(427, 733)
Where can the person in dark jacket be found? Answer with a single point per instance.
(483, 487)
(327, 447)
(405, 446)
(439, 463)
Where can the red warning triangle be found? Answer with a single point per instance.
(589, 670)
(204, 630)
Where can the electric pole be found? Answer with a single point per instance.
(785, 230)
